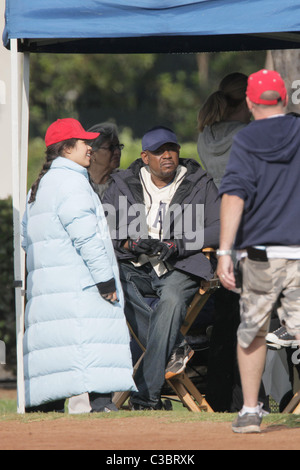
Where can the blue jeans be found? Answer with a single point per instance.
(157, 327)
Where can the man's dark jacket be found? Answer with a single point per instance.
(197, 188)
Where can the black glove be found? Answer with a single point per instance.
(166, 248)
(106, 287)
(142, 245)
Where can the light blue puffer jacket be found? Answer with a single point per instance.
(74, 341)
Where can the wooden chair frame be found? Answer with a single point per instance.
(294, 405)
(181, 384)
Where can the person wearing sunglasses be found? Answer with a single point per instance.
(106, 156)
(105, 160)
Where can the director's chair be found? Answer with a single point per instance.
(182, 384)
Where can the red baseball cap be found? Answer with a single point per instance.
(64, 129)
(265, 80)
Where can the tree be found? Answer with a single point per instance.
(136, 91)
(287, 63)
(7, 299)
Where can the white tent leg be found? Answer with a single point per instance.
(24, 141)
(18, 207)
(23, 153)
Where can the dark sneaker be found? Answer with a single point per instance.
(247, 423)
(178, 361)
(108, 408)
(138, 407)
(161, 405)
(282, 338)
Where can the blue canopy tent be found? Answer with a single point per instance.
(124, 26)
(161, 26)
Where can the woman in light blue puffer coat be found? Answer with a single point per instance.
(76, 338)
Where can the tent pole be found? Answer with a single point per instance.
(23, 153)
(19, 276)
(24, 140)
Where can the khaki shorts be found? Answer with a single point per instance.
(265, 283)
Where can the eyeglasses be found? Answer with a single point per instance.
(112, 147)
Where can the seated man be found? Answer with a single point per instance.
(161, 211)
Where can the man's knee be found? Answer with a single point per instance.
(247, 332)
(172, 296)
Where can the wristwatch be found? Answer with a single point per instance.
(223, 252)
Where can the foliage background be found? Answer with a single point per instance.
(7, 304)
(135, 91)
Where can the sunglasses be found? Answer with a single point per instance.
(112, 147)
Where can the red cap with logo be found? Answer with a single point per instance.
(64, 129)
(262, 81)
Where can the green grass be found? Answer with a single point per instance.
(7, 407)
(8, 412)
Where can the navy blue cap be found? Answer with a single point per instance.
(157, 136)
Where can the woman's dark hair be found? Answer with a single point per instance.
(52, 152)
(108, 131)
(222, 103)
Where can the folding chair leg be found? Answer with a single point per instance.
(196, 306)
(184, 396)
(189, 394)
(297, 410)
(119, 398)
(196, 394)
(294, 405)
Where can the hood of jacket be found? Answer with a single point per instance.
(129, 178)
(63, 163)
(190, 164)
(275, 139)
(216, 140)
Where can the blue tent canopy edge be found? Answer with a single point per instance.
(160, 26)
